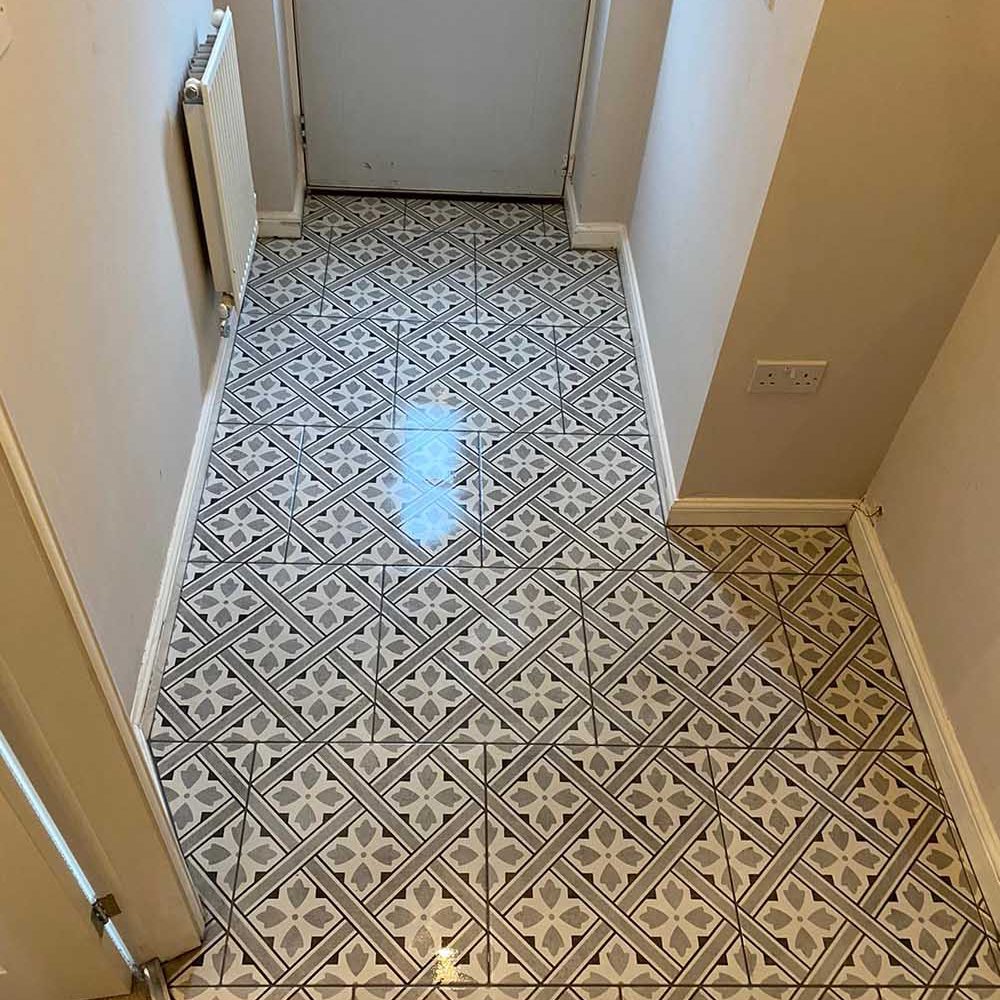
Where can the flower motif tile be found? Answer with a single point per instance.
(448, 713)
(607, 875)
(838, 862)
(366, 863)
(383, 496)
(571, 501)
(482, 655)
(685, 659)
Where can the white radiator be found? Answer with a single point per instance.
(213, 109)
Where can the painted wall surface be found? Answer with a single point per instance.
(267, 99)
(939, 485)
(884, 204)
(624, 64)
(726, 87)
(107, 332)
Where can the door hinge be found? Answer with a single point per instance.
(102, 911)
(569, 165)
(302, 128)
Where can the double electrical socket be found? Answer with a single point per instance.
(787, 376)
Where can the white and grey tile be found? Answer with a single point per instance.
(448, 711)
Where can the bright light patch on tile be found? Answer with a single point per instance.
(58, 841)
(426, 492)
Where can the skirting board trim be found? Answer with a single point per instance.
(589, 235)
(155, 652)
(980, 836)
(764, 510)
(647, 373)
(285, 224)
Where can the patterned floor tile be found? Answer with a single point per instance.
(690, 659)
(246, 502)
(571, 501)
(448, 713)
(387, 496)
(854, 694)
(608, 874)
(482, 655)
(844, 868)
(766, 549)
(507, 381)
(599, 381)
(272, 652)
(363, 862)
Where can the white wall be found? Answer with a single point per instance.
(622, 70)
(939, 484)
(272, 129)
(882, 208)
(726, 87)
(107, 334)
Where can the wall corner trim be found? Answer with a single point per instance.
(285, 224)
(760, 510)
(981, 838)
(589, 235)
(155, 651)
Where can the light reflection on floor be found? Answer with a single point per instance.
(427, 495)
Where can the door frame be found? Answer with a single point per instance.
(295, 80)
(74, 739)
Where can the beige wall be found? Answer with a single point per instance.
(729, 76)
(107, 333)
(272, 129)
(939, 485)
(884, 204)
(622, 70)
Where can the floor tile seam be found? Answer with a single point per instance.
(729, 865)
(378, 654)
(239, 860)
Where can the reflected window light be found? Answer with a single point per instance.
(426, 492)
(58, 841)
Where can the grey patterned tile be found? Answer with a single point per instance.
(272, 652)
(854, 694)
(571, 501)
(505, 381)
(837, 860)
(608, 871)
(482, 655)
(690, 659)
(387, 496)
(362, 862)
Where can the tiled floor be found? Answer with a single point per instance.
(448, 708)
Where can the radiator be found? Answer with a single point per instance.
(217, 130)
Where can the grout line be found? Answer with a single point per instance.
(729, 867)
(239, 858)
(813, 730)
(586, 654)
(378, 654)
(295, 492)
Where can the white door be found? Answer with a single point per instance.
(463, 96)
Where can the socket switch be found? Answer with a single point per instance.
(787, 376)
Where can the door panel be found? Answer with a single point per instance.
(49, 950)
(470, 96)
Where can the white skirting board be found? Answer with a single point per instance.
(590, 235)
(614, 236)
(284, 224)
(154, 654)
(762, 510)
(981, 838)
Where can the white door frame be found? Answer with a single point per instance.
(62, 715)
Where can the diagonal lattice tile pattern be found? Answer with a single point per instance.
(449, 713)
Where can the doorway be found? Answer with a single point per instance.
(443, 96)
